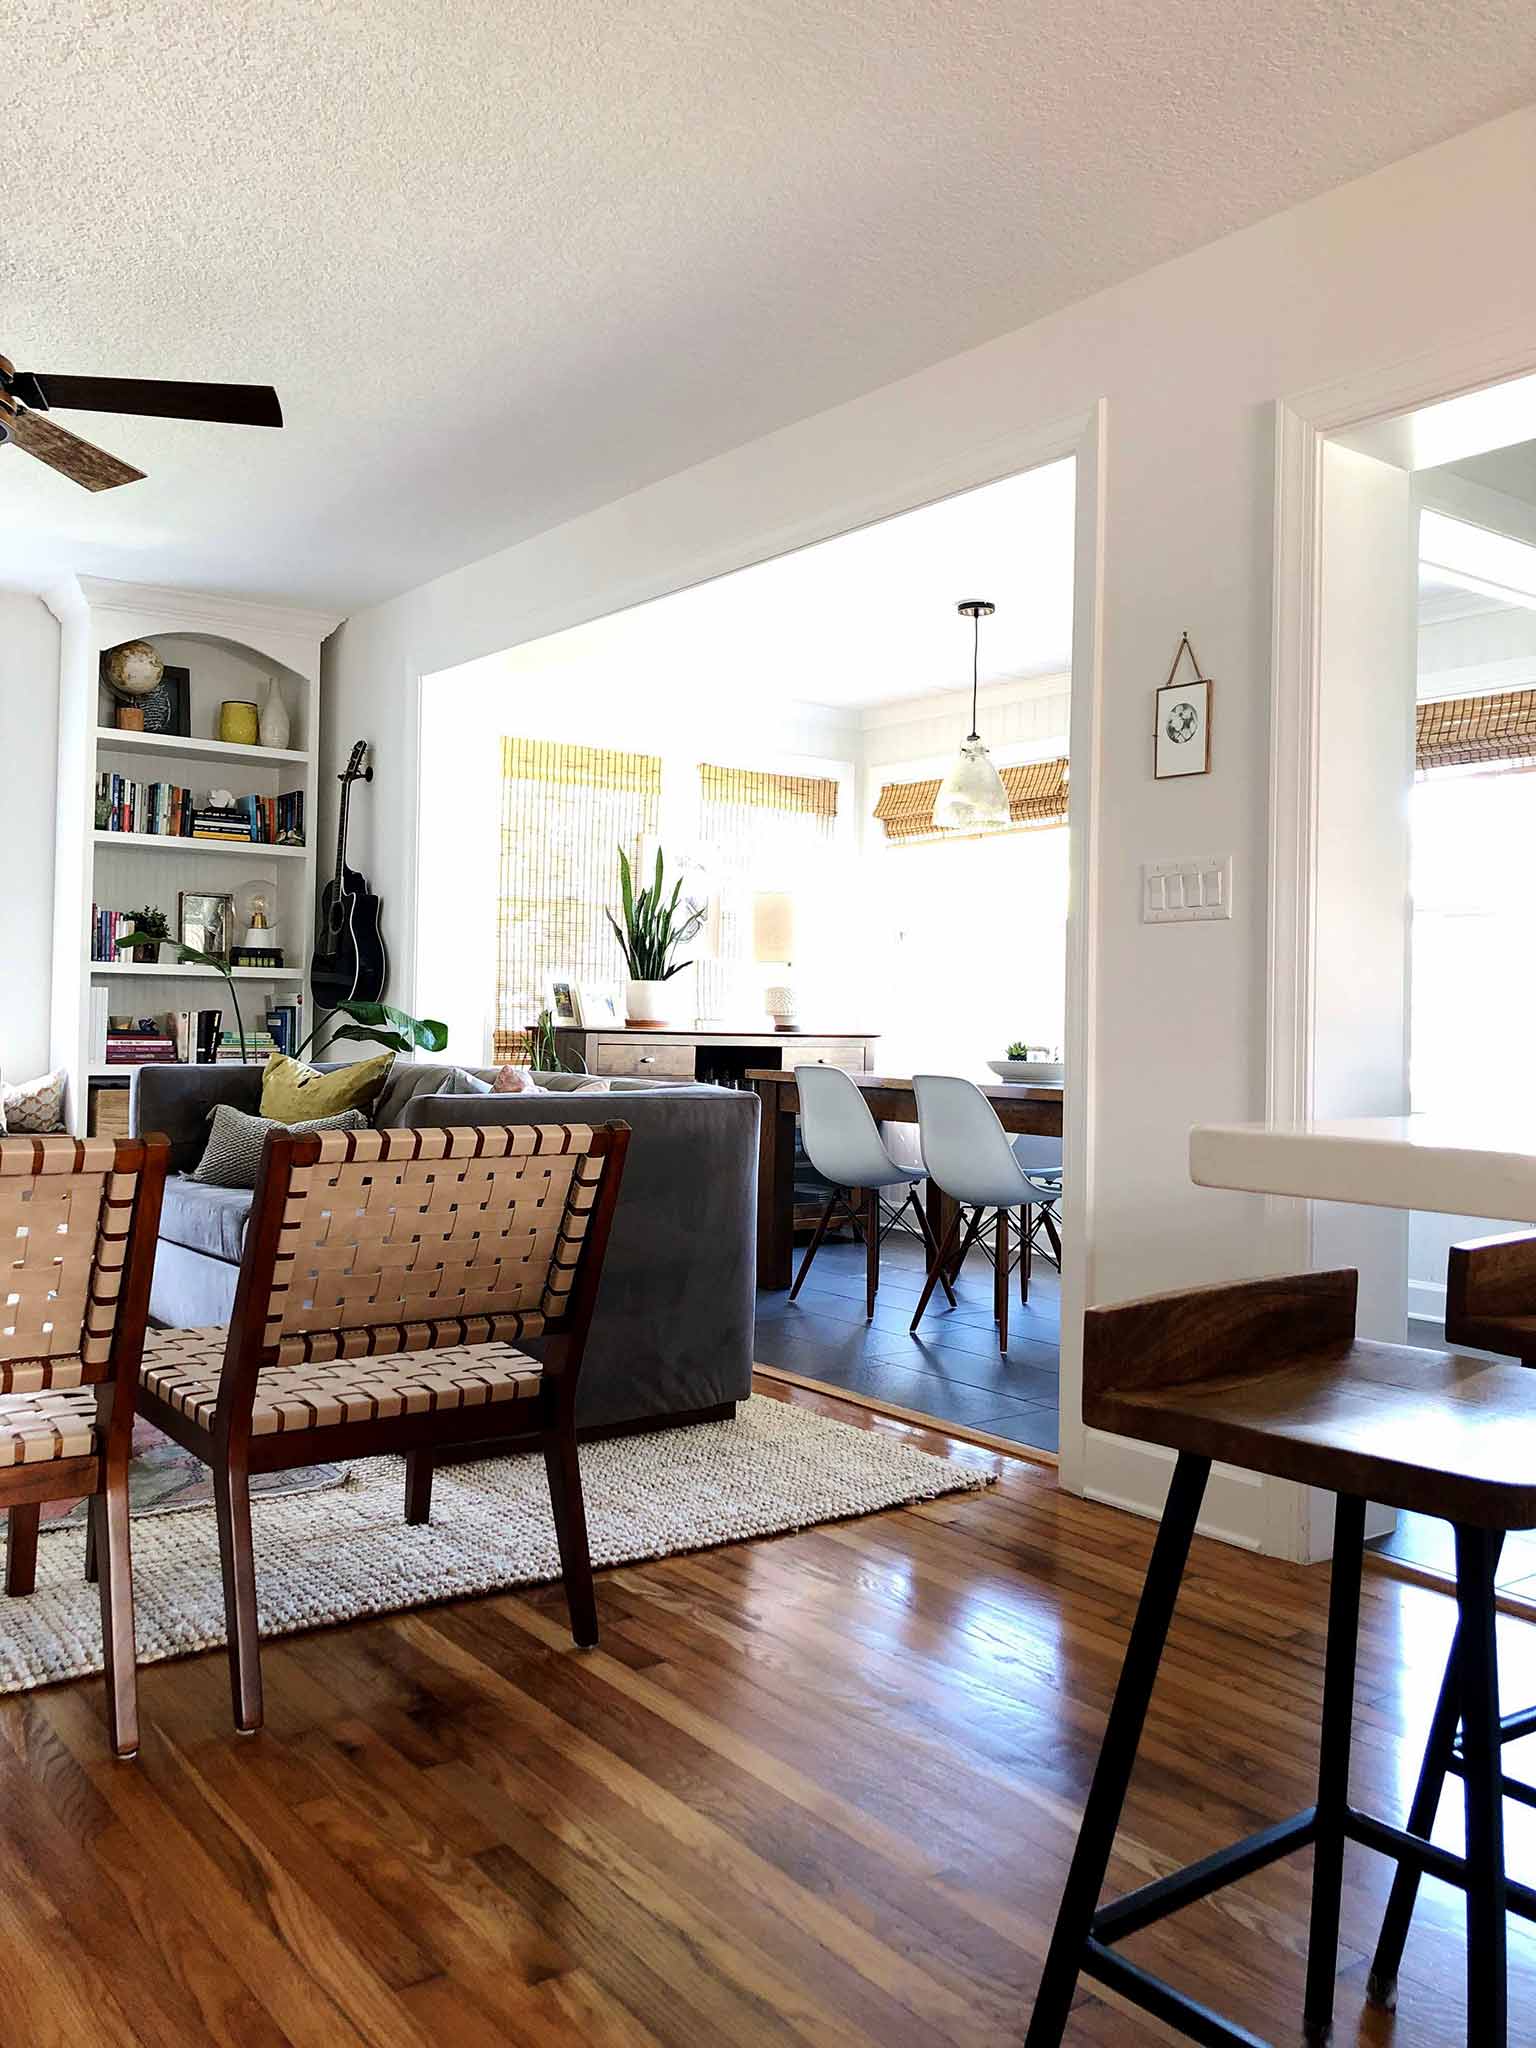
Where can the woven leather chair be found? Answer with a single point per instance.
(78, 1221)
(388, 1279)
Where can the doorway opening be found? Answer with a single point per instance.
(762, 718)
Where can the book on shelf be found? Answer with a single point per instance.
(166, 810)
(100, 1003)
(258, 1048)
(285, 1023)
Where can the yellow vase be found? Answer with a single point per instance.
(239, 723)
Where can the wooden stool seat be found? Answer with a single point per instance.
(1490, 1285)
(1403, 1426)
(1270, 1377)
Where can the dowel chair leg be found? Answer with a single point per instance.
(92, 1567)
(565, 1498)
(21, 1547)
(1003, 1255)
(871, 1251)
(940, 1263)
(1117, 1757)
(114, 1558)
(1333, 1769)
(1483, 1771)
(815, 1244)
(925, 1232)
(418, 1487)
(237, 1560)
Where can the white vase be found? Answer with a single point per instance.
(646, 1002)
(275, 726)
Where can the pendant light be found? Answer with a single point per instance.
(972, 795)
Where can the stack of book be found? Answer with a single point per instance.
(258, 1049)
(285, 1023)
(162, 809)
(140, 1047)
(254, 820)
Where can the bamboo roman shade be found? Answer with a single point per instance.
(1037, 795)
(1459, 732)
(759, 830)
(565, 812)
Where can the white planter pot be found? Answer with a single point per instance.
(646, 1002)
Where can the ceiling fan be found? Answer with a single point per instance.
(27, 400)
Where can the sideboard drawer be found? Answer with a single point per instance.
(828, 1053)
(634, 1060)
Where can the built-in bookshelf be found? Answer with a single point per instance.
(229, 648)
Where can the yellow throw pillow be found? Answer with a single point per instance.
(291, 1091)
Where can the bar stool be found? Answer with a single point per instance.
(1269, 1376)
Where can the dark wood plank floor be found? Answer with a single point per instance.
(817, 1790)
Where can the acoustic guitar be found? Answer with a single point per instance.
(351, 964)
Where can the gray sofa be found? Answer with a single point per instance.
(673, 1332)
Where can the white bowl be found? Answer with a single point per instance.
(1039, 1073)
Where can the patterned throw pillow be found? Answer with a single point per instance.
(232, 1157)
(34, 1106)
(289, 1089)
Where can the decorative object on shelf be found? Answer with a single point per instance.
(773, 945)
(971, 797)
(260, 931)
(600, 1007)
(274, 725)
(206, 922)
(150, 696)
(1182, 735)
(564, 1001)
(653, 930)
(132, 670)
(150, 929)
(239, 723)
(351, 964)
(27, 397)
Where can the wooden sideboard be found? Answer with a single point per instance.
(725, 1056)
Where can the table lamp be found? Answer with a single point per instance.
(773, 945)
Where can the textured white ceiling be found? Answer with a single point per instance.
(505, 262)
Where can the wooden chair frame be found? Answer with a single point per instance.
(102, 1475)
(234, 1452)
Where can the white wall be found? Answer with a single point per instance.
(29, 734)
(1189, 359)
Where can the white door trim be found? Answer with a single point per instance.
(1302, 424)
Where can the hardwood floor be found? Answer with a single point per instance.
(815, 1790)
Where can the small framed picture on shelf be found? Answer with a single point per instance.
(206, 922)
(564, 999)
(601, 1009)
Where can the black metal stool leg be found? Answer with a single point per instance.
(1117, 1757)
(1381, 1985)
(1333, 1768)
(1482, 1749)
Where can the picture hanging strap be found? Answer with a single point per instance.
(1184, 648)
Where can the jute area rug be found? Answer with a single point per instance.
(333, 1555)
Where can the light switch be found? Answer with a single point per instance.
(1186, 891)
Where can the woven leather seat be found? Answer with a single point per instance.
(182, 1367)
(38, 1428)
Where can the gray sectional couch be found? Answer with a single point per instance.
(673, 1333)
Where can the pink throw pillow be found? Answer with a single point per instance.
(515, 1081)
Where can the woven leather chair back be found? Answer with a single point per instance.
(412, 1240)
(65, 1211)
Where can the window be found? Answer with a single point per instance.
(757, 831)
(565, 812)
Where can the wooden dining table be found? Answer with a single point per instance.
(1033, 1111)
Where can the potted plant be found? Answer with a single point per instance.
(150, 931)
(654, 928)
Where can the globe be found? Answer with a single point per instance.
(134, 669)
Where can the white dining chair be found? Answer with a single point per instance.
(843, 1143)
(1041, 1161)
(969, 1158)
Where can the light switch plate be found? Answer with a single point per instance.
(1186, 891)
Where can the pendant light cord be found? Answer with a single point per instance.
(975, 669)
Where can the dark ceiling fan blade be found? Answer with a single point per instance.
(67, 453)
(239, 405)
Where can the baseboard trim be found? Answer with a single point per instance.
(1027, 1454)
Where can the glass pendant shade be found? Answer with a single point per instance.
(971, 795)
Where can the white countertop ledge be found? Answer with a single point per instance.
(1448, 1165)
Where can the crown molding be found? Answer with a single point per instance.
(203, 610)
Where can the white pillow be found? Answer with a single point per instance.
(34, 1107)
